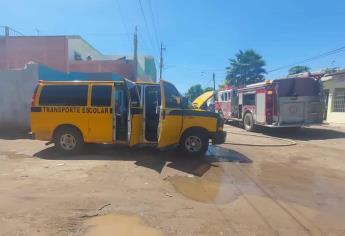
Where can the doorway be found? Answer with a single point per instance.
(152, 103)
(120, 113)
(325, 102)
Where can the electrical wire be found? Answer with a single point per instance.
(153, 22)
(125, 26)
(146, 24)
(325, 54)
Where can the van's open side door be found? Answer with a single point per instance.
(135, 115)
(170, 117)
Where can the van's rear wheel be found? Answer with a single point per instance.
(68, 141)
(194, 143)
(248, 122)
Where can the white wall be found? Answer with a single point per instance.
(84, 49)
(16, 89)
(337, 81)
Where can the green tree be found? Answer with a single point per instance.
(298, 69)
(207, 89)
(246, 68)
(195, 91)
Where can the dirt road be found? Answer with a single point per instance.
(250, 186)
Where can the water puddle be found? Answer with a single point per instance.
(213, 187)
(119, 225)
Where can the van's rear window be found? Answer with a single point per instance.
(64, 95)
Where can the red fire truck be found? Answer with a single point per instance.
(287, 102)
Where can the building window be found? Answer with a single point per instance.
(77, 56)
(339, 100)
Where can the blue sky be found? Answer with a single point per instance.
(200, 36)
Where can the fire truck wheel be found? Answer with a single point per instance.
(248, 122)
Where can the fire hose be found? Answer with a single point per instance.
(288, 142)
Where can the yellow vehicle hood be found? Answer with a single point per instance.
(199, 101)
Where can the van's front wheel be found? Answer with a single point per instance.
(68, 141)
(194, 143)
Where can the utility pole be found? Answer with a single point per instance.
(7, 31)
(214, 85)
(161, 62)
(135, 56)
(37, 31)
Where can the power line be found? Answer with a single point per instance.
(146, 24)
(123, 20)
(325, 54)
(201, 69)
(153, 22)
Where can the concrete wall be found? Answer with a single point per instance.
(121, 67)
(147, 69)
(17, 87)
(57, 52)
(16, 52)
(331, 83)
(76, 44)
(16, 91)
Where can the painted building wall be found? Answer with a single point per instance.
(77, 45)
(17, 87)
(331, 83)
(146, 69)
(16, 52)
(58, 52)
(123, 68)
(16, 91)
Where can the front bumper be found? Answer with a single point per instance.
(218, 137)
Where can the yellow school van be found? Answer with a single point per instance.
(73, 113)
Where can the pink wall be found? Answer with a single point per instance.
(15, 52)
(119, 67)
(52, 51)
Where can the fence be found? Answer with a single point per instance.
(7, 31)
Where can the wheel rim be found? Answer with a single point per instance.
(68, 142)
(193, 143)
(247, 122)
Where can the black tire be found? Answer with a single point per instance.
(248, 122)
(194, 143)
(68, 140)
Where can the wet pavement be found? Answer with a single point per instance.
(272, 186)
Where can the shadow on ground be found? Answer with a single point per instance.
(302, 134)
(152, 158)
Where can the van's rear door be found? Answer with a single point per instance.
(170, 117)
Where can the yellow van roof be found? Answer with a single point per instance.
(199, 101)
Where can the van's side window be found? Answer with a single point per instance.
(135, 101)
(101, 95)
(171, 96)
(64, 95)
